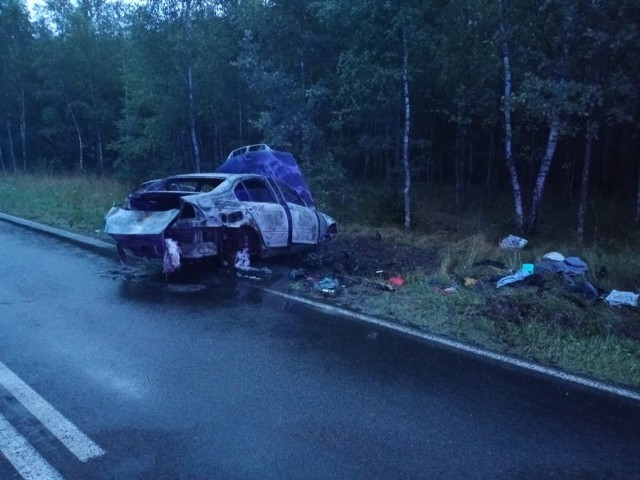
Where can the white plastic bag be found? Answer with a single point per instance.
(525, 270)
(171, 256)
(243, 260)
(513, 243)
(617, 297)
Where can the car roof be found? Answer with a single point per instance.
(211, 176)
(196, 176)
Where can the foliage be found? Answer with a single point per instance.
(145, 89)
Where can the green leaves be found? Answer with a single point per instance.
(168, 85)
(541, 99)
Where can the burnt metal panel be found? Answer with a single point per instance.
(137, 222)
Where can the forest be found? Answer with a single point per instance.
(474, 98)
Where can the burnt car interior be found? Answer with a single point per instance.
(165, 195)
(192, 185)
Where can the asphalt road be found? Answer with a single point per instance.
(115, 373)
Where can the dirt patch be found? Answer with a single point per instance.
(369, 256)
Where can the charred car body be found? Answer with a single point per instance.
(257, 201)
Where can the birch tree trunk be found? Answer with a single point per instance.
(80, 141)
(405, 140)
(98, 131)
(11, 151)
(192, 123)
(584, 187)
(100, 151)
(76, 126)
(545, 164)
(508, 132)
(23, 130)
(193, 132)
(458, 163)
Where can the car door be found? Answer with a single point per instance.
(266, 212)
(304, 220)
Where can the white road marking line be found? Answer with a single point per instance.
(552, 372)
(24, 458)
(65, 431)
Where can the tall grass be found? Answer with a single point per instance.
(77, 203)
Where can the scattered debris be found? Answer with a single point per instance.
(470, 282)
(327, 286)
(617, 297)
(253, 273)
(172, 253)
(568, 265)
(396, 281)
(297, 274)
(513, 242)
(244, 269)
(555, 256)
(385, 286)
(569, 268)
(586, 289)
(243, 260)
(528, 268)
(525, 270)
(442, 288)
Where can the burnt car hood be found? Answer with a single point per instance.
(263, 160)
(136, 222)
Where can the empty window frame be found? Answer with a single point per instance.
(258, 191)
(289, 194)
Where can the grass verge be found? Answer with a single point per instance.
(77, 203)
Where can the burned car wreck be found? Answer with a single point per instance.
(257, 204)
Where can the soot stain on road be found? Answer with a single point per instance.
(194, 287)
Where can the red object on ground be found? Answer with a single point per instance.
(397, 281)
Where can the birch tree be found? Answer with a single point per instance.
(406, 164)
(553, 97)
(507, 108)
(16, 55)
(79, 87)
(380, 44)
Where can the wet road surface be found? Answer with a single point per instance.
(207, 377)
